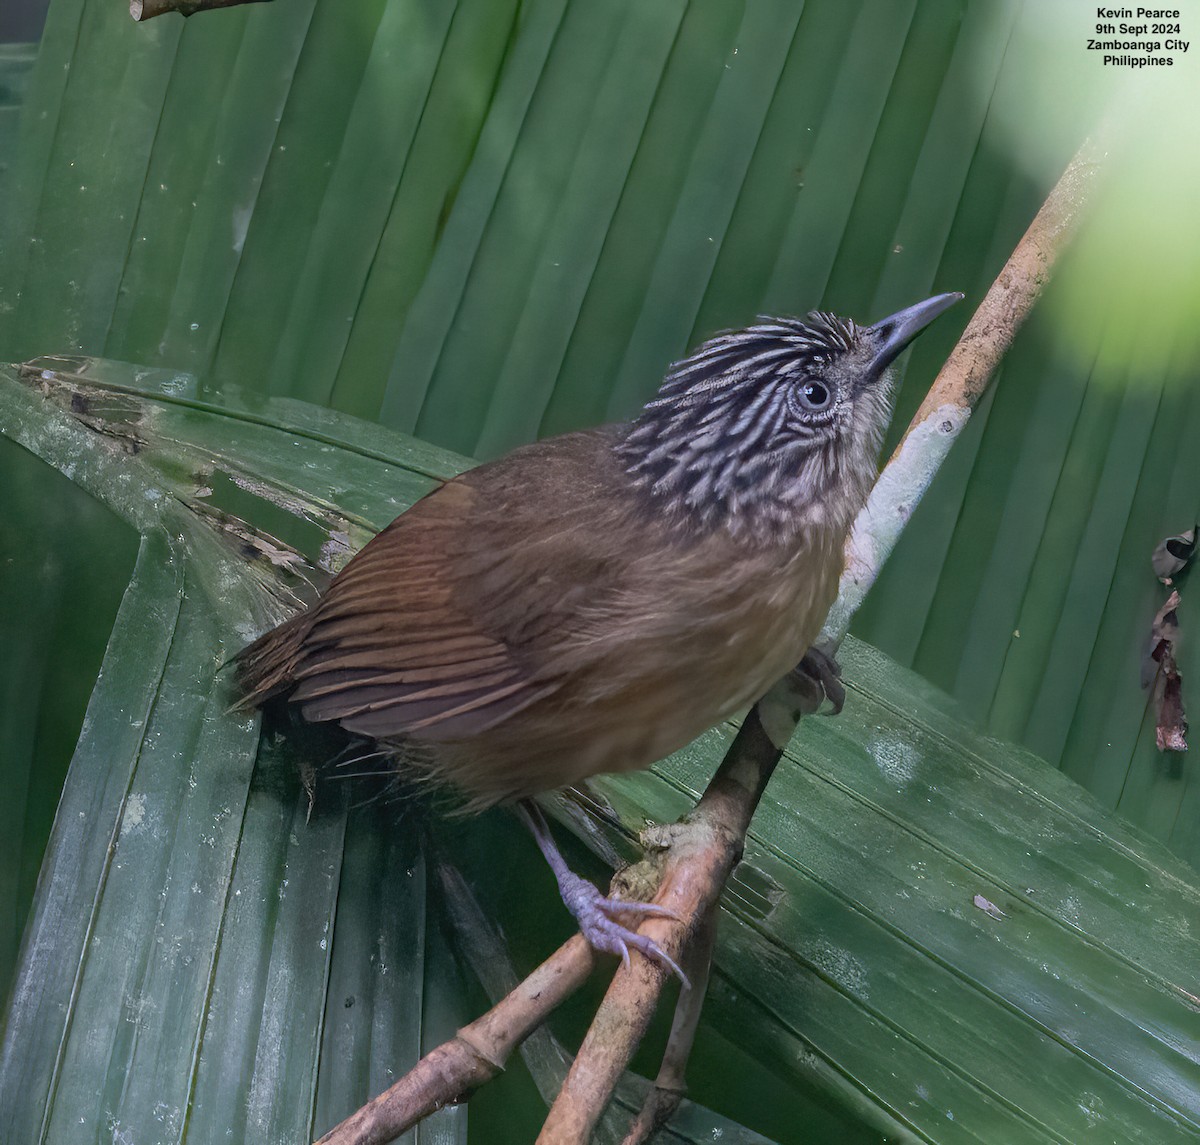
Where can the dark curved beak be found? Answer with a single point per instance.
(892, 334)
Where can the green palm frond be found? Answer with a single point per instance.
(934, 936)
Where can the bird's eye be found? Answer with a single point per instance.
(813, 396)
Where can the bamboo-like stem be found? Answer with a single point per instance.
(147, 9)
(957, 388)
(450, 1073)
(706, 845)
(670, 1085)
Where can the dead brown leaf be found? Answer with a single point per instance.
(1160, 669)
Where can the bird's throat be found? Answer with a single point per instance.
(763, 499)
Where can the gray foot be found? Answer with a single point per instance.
(597, 914)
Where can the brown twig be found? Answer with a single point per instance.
(670, 1085)
(959, 385)
(147, 9)
(450, 1073)
(701, 852)
(990, 332)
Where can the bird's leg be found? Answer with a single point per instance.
(594, 911)
(820, 671)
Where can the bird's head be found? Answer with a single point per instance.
(774, 428)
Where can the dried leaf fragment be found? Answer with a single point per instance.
(1159, 668)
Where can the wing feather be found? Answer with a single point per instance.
(441, 624)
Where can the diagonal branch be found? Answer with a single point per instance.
(670, 1085)
(702, 851)
(960, 384)
(449, 1074)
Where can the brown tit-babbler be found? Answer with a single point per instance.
(592, 602)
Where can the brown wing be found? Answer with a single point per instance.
(445, 624)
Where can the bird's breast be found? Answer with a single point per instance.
(695, 639)
(765, 611)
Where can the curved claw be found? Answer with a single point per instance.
(824, 674)
(632, 906)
